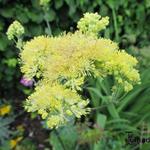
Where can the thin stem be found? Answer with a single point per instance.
(115, 24)
(49, 27)
(45, 10)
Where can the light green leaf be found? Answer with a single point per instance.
(101, 120)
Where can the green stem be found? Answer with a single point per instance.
(115, 25)
(19, 43)
(49, 27)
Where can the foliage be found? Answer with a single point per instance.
(7, 134)
(107, 132)
(65, 137)
(26, 144)
(143, 55)
(4, 128)
(132, 109)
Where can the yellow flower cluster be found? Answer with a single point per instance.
(15, 30)
(56, 103)
(62, 64)
(92, 24)
(33, 56)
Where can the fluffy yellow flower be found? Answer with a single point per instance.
(5, 110)
(33, 56)
(54, 100)
(62, 65)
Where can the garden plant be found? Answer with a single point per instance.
(84, 90)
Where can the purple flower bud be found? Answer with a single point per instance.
(27, 82)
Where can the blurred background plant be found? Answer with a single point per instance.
(129, 26)
(9, 136)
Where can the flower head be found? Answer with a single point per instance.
(92, 24)
(15, 30)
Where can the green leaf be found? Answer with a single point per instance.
(4, 128)
(114, 4)
(26, 144)
(50, 15)
(101, 120)
(22, 17)
(72, 7)
(90, 136)
(64, 137)
(35, 16)
(130, 97)
(11, 62)
(1, 25)
(35, 4)
(95, 96)
(3, 42)
(58, 3)
(35, 30)
(145, 146)
(7, 12)
(141, 102)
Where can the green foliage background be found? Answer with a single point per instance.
(129, 25)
